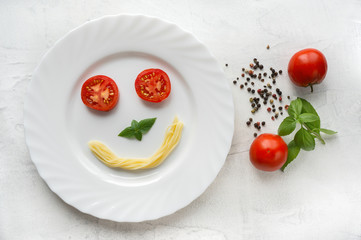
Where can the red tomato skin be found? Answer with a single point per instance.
(268, 152)
(138, 83)
(100, 106)
(307, 67)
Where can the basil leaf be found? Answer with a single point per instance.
(293, 151)
(138, 135)
(127, 133)
(287, 126)
(308, 117)
(295, 108)
(138, 128)
(146, 124)
(135, 125)
(304, 140)
(308, 108)
(327, 131)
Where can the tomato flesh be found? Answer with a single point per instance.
(153, 85)
(307, 67)
(100, 93)
(268, 152)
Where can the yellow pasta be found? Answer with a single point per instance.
(171, 139)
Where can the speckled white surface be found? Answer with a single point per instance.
(319, 195)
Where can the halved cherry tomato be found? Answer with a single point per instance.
(100, 93)
(153, 85)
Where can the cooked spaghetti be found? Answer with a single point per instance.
(171, 139)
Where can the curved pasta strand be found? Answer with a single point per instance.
(109, 158)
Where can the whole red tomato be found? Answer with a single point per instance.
(307, 67)
(268, 152)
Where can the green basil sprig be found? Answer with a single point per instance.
(302, 112)
(137, 129)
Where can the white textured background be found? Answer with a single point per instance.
(319, 195)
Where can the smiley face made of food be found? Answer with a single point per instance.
(153, 85)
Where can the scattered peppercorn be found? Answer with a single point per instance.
(255, 134)
(267, 47)
(288, 97)
(265, 94)
(226, 64)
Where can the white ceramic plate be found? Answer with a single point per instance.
(58, 125)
